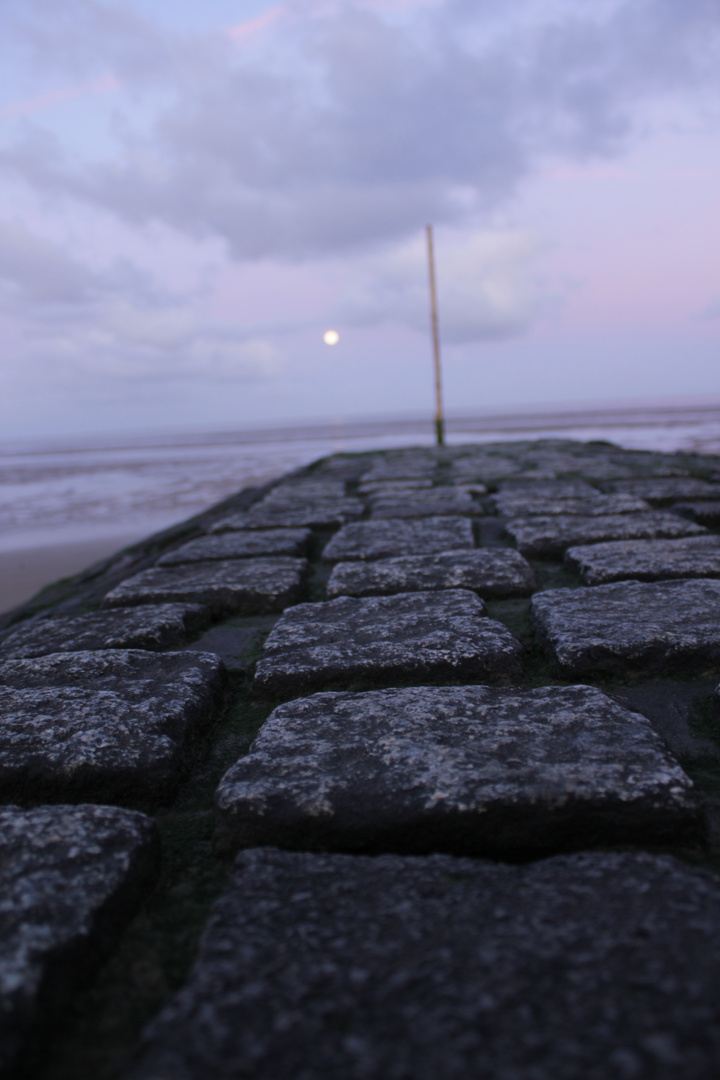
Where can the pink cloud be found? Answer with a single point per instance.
(253, 26)
(313, 10)
(102, 85)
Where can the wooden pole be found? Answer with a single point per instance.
(439, 418)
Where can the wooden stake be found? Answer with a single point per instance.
(439, 418)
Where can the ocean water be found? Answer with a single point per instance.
(87, 489)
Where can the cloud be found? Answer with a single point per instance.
(27, 106)
(351, 127)
(485, 286)
(36, 270)
(314, 131)
(121, 343)
(115, 322)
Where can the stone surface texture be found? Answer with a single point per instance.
(239, 545)
(467, 770)
(229, 587)
(109, 726)
(632, 624)
(489, 469)
(410, 467)
(154, 627)
(323, 515)
(391, 487)
(489, 572)
(385, 539)
(70, 878)
(416, 712)
(422, 636)
(436, 502)
(516, 504)
(529, 487)
(550, 536)
(661, 491)
(390, 968)
(647, 560)
(302, 503)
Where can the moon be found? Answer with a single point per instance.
(331, 337)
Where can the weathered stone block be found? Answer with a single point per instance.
(102, 726)
(316, 502)
(421, 636)
(392, 487)
(70, 879)
(643, 625)
(392, 967)
(514, 504)
(319, 515)
(660, 491)
(436, 502)
(239, 545)
(486, 468)
(298, 492)
(153, 627)
(407, 467)
(647, 560)
(538, 488)
(489, 572)
(469, 770)
(550, 536)
(230, 587)
(385, 539)
(602, 470)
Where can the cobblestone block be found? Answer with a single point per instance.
(487, 469)
(70, 879)
(469, 770)
(409, 467)
(324, 515)
(299, 492)
(154, 627)
(660, 491)
(640, 625)
(421, 636)
(385, 539)
(391, 487)
(386, 968)
(230, 587)
(550, 536)
(517, 504)
(436, 502)
(548, 489)
(298, 504)
(647, 560)
(239, 545)
(488, 572)
(107, 726)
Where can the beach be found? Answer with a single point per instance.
(24, 571)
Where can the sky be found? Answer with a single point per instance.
(192, 195)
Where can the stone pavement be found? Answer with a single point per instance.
(400, 839)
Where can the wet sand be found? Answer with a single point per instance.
(27, 570)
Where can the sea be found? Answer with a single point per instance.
(91, 488)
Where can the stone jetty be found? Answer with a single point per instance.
(405, 766)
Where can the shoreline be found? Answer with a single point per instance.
(25, 571)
